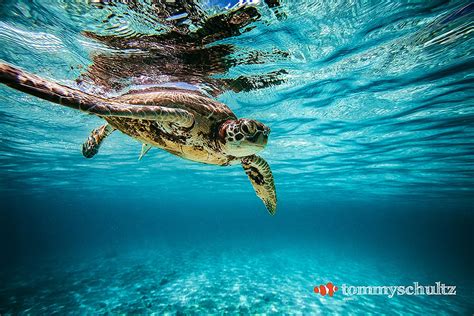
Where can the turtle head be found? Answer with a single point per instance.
(243, 137)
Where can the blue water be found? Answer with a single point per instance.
(372, 117)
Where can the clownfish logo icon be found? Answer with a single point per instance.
(329, 289)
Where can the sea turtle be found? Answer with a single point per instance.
(185, 123)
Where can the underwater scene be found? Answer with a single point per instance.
(236, 157)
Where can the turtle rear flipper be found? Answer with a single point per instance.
(145, 148)
(260, 175)
(76, 99)
(95, 139)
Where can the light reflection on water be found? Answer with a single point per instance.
(368, 97)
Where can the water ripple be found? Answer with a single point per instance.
(365, 97)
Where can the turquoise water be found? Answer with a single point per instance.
(371, 110)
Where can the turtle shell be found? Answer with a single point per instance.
(197, 143)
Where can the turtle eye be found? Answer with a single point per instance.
(249, 128)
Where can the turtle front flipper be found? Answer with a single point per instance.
(93, 142)
(79, 100)
(260, 175)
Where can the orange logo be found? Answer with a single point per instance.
(326, 289)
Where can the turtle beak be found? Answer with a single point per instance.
(266, 131)
(262, 138)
